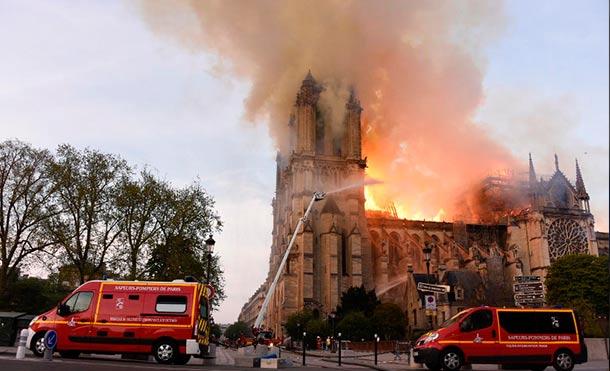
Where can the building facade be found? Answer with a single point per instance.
(341, 245)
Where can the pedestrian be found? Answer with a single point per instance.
(328, 343)
(397, 351)
(408, 352)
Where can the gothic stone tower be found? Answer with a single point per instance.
(332, 251)
(558, 221)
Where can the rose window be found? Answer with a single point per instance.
(565, 237)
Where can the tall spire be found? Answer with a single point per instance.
(353, 103)
(310, 91)
(532, 172)
(580, 184)
(556, 163)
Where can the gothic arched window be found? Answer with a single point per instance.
(565, 237)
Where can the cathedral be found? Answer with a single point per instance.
(341, 245)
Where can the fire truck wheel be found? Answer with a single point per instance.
(37, 346)
(563, 360)
(165, 351)
(182, 359)
(451, 360)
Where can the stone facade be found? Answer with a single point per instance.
(341, 245)
(332, 252)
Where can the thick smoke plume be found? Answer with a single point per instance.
(415, 65)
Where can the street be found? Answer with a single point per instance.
(225, 361)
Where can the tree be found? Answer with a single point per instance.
(215, 331)
(316, 327)
(188, 212)
(355, 326)
(581, 282)
(87, 229)
(235, 330)
(357, 299)
(187, 217)
(389, 321)
(297, 322)
(34, 295)
(177, 258)
(138, 203)
(26, 193)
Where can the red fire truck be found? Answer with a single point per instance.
(168, 319)
(532, 338)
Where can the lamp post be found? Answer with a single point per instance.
(304, 335)
(427, 254)
(375, 341)
(209, 248)
(339, 337)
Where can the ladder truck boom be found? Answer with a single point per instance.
(317, 196)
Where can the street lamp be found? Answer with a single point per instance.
(304, 336)
(209, 248)
(427, 254)
(332, 321)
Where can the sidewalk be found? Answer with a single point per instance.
(385, 361)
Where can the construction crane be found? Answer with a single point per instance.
(317, 196)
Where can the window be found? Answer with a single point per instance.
(79, 302)
(459, 293)
(476, 321)
(537, 322)
(171, 304)
(344, 269)
(455, 318)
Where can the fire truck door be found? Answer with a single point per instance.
(73, 333)
(478, 336)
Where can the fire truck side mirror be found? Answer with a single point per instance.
(63, 309)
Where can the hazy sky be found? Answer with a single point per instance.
(91, 73)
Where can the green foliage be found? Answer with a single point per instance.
(177, 258)
(357, 299)
(84, 214)
(87, 185)
(581, 282)
(355, 326)
(389, 321)
(316, 327)
(26, 204)
(138, 202)
(297, 323)
(215, 331)
(235, 330)
(34, 295)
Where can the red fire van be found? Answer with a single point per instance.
(531, 338)
(168, 319)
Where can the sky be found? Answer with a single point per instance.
(93, 74)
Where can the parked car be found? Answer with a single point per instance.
(530, 338)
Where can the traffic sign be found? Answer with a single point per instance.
(528, 286)
(441, 289)
(50, 339)
(430, 302)
(523, 279)
(522, 297)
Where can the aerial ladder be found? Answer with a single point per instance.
(317, 196)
